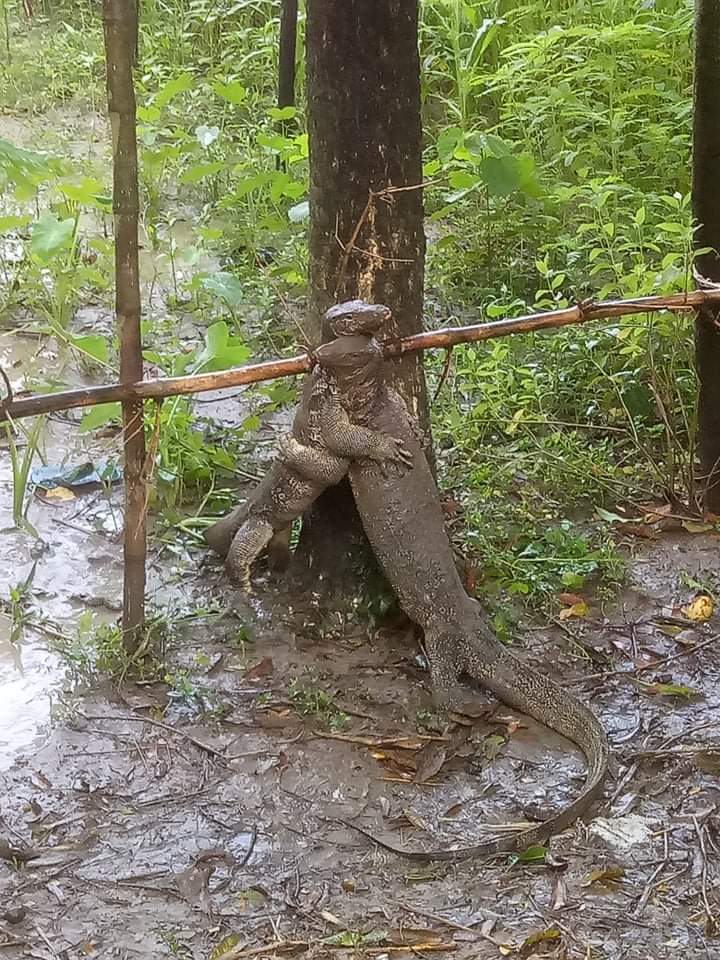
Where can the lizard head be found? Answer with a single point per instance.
(355, 317)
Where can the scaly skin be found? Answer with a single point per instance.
(314, 456)
(403, 521)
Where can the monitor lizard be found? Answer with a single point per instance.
(316, 454)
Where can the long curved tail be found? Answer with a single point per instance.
(479, 655)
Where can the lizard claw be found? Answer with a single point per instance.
(402, 453)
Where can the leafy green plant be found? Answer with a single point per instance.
(17, 605)
(310, 700)
(21, 463)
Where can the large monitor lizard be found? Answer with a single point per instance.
(316, 453)
(402, 517)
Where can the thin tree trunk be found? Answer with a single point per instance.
(120, 24)
(287, 53)
(706, 209)
(287, 50)
(365, 135)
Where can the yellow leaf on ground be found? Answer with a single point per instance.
(699, 609)
(59, 494)
(576, 610)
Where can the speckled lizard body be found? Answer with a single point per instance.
(323, 440)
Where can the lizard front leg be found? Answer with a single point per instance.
(313, 463)
(348, 439)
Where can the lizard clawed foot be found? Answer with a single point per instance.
(402, 454)
(398, 454)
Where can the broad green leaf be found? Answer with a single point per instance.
(225, 286)
(447, 142)
(216, 338)
(221, 350)
(172, 88)
(149, 114)
(533, 854)
(501, 174)
(51, 236)
(87, 193)
(100, 415)
(282, 113)
(232, 92)
(26, 168)
(94, 346)
(462, 180)
(11, 222)
(251, 183)
(200, 171)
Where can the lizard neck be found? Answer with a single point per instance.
(358, 388)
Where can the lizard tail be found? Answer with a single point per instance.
(478, 655)
(524, 689)
(481, 657)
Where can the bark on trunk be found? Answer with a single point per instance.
(120, 27)
(365, 134)
(706, 209)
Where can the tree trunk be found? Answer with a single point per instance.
(286, 53)
(706, 209)
(365, 135)
(120, 24)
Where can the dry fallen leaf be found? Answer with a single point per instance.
(263, 668)
(606, 876)
(700, 609)
(709, 761)
(542, 936)
(671, 690)
(59, 494)
(697, 526)
(568, 599)
(576, 610)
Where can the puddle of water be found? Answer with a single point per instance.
(73, 563)
(28, 674)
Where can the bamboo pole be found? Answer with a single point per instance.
(120, 21)
(447, 338)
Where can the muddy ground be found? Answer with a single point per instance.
(162, 826)
(204, 816)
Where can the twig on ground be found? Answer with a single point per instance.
(650, 885)
(711, 922)
(205, 747)
(631, 674)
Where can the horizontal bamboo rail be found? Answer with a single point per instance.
(588, 310)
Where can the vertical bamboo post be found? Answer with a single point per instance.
(120, 29)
